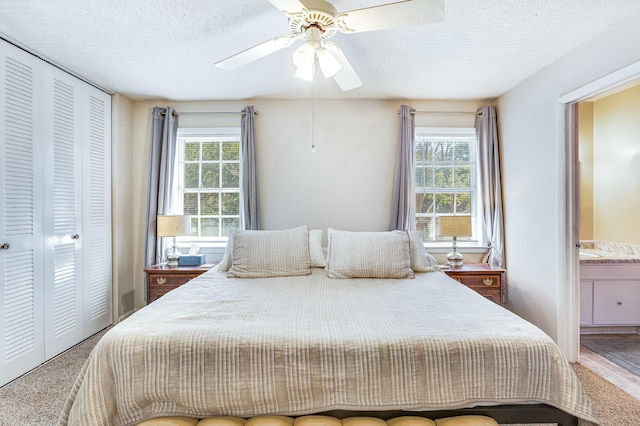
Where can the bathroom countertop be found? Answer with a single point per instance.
(602, 256)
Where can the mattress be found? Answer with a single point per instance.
(302, 345)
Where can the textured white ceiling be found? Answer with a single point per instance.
(167, 48)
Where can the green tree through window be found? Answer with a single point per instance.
(208, 176)
(445, 177)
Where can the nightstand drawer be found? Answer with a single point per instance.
(161, 279)
(156, 292)
(169, 280)
(481, 281)
(482, 278)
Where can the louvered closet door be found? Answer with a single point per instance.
(63, 205)
(21, 210)
(96, 220)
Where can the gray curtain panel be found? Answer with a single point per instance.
(403, 205)
(490, 184)
(249, 196)
(164, 131)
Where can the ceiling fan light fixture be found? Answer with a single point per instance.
(304, 60)
(305, 72)
(329, 64)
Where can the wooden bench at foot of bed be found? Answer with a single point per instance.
(317, 420)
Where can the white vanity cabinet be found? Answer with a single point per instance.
(586, 302)
(609, 296)
(616, 302)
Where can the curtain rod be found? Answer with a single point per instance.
(214, 112)
(211, 112)
(445, 112)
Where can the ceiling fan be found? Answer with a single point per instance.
(315, 21)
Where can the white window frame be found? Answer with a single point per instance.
(178, 182)
(478, 239)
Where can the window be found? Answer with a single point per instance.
(208, 181)
(446, 168)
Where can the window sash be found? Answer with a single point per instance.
(213, 215)
(438, 191)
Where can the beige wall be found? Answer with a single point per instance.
(616, 186)
(345, 184)
(585, 169)
(121, 200)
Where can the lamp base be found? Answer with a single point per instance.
(173, 256)
(173, 260)
(455, 258)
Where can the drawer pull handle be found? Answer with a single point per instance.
(487, 281)
(161, 280)
(5, 246)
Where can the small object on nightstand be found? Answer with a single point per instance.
(192, 259)
(455, 226)
(173, 226)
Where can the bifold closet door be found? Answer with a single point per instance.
(96, 212)
(21, 210)
(62, 137)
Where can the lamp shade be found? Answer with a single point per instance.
(455, 226)
(173, 226)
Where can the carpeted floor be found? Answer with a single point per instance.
(37, 398)
(621, 349)
(613, 406)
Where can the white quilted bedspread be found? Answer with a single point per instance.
(300, 345)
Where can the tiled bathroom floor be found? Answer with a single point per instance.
(620, 377)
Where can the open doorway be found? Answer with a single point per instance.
(567, 135)
(608, 166)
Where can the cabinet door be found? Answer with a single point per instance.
(616, 302)
(96, 219)
(586, 302)
(21, 195)
(63, 203)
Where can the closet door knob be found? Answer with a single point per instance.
(76, 237)
(5, 246)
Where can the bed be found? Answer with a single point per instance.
(310, 342)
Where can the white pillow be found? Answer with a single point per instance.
(368, 254)
(316, 253)
(225, 263)
(421, 261)
(260, 254)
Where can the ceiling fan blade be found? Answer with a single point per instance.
(289, 7)
(256, 52)
(346, 78)
(391, 15)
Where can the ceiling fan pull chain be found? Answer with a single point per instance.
(313, 116)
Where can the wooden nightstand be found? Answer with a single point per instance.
(481, 277)
(161, 279)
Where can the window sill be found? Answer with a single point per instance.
(445, 248)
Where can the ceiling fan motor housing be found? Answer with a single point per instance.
(319, 14)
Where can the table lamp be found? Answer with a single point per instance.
(455, 226)
(173, 226)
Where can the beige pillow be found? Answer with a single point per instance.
(368, 254)
(421, 261)
(260, 254)
(316, 253)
